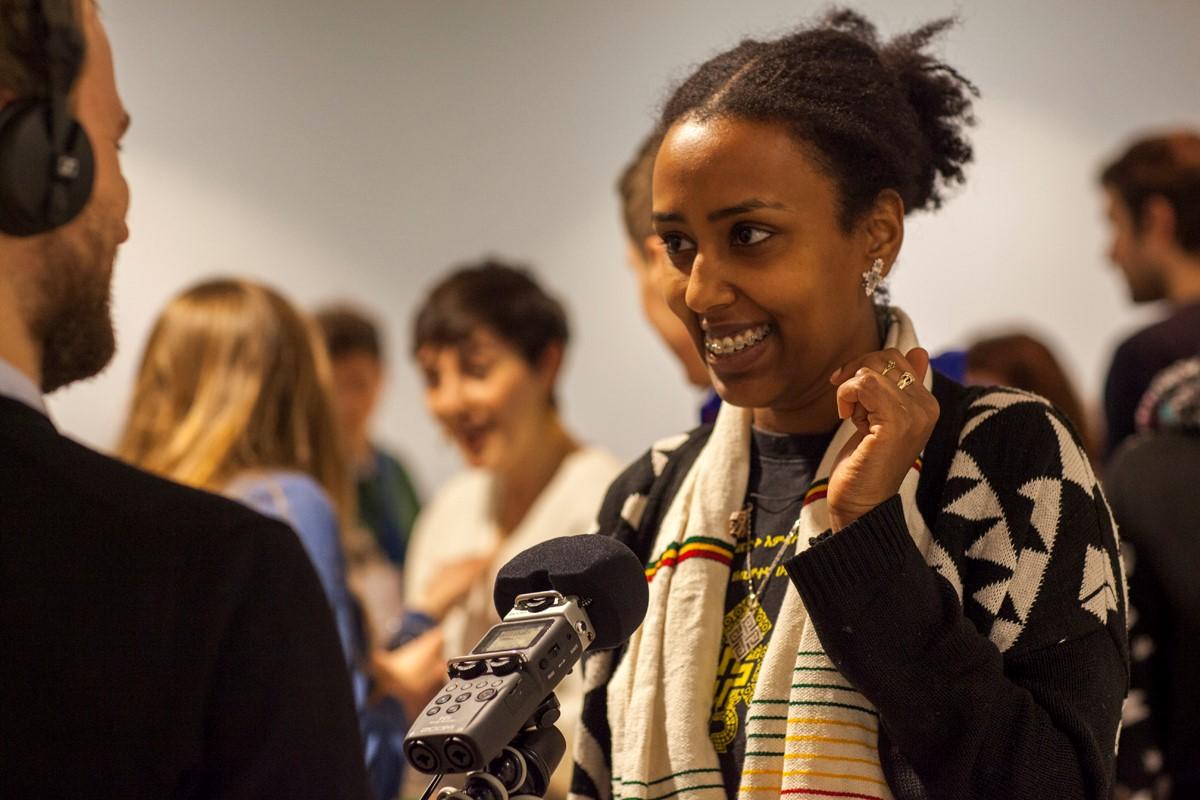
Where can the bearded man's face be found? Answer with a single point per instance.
(68, 311)
(72, 318)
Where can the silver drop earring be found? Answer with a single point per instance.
(872, 277)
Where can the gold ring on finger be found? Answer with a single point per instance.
(906, 379)
(891, 365)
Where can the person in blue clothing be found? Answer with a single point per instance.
(387, 499)
(385, 495)
(233, 395)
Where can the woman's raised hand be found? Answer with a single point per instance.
(452, 583)
(413, 672)
(884, 394)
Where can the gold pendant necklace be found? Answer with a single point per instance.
(747, 625)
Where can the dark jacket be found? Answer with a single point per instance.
(157, 641)
(1154, 485)
(1135, 363)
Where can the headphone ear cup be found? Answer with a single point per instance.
(41, 189)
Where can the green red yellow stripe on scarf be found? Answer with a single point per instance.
(819, 489)
(695, 547)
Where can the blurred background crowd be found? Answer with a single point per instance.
(393, 281)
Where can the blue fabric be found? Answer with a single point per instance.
(412, 625)
(298, 500)
(952, 364)
(710, 407)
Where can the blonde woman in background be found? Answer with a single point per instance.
(233, 396)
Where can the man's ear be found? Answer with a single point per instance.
(1159, 222)
(882, 229)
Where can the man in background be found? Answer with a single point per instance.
(1153, 192)
(1153, 199)
(647, 258)
(155, 641)
(387, 501)
(1151, 485)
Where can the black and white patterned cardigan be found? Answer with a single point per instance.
(998, 661)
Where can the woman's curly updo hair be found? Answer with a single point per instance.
(876, 115)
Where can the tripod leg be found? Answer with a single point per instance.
(432, 785)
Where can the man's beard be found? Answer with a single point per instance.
(73, 318)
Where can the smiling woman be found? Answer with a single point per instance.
(490, 344)
(894, 587)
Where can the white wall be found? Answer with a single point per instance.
(357, 149)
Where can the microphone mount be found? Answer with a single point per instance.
(523, 768)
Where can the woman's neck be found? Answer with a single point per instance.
(517, 488)
(818, 414)
(814, 410)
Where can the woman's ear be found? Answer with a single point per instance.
(882, 229)
(548, 366)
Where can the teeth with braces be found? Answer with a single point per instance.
(739, 341)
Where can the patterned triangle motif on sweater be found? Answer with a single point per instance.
(1098, 592)
(1014, 577)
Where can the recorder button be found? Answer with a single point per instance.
(469, 669)
(452, 709)
(433, 711)
(443, 700)
(486, 694)
(503, 666)
(462, 698)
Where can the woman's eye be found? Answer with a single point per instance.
(677, 243)
(745, 235)
(476, 370)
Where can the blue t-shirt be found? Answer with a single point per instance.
(298, 500)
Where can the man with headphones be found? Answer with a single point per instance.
(155, 641)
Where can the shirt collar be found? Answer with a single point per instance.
(18, 386)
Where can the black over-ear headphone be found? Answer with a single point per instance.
(46, 163)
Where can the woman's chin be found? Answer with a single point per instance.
(742, 392)
(476, 454)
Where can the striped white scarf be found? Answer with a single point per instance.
(808, 732)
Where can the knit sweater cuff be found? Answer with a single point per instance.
(839, 569)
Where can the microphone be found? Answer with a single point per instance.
(556, 599)
(598, 570)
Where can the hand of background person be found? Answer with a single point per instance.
(412, 673)
(451, 584)
(893, 425)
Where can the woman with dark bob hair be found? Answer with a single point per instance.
(490, 344)
(866, 580)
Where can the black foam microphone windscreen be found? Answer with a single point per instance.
(604, 574)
